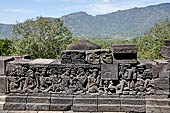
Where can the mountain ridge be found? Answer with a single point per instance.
(122, 23)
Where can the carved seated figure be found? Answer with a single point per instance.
(81, 81)
(111, 88)
(30, 82)
(65, 80)
(127, 76)
(149, 83)
(93, 82)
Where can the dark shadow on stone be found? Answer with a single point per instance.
(83, 45)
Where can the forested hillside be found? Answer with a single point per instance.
(121, 24)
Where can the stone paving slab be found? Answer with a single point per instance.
(52, 112)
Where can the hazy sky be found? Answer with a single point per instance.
(20, 10)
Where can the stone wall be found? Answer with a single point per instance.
(87, 80)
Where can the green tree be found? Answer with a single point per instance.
(6, 47)
(149, 45)
(41, 38)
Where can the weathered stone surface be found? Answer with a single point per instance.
(165, 52)
(157, 105)
(51, 112)
(164, 71)
(124, 53)
(60, 107)
(15, 103)
(158, 102)
(4, 111)
(132, 103)
(37, 107)
(124, 48)
(3, 61)
(16, 99)
(42, 61)
(83, 45)
(157, 109)
(73, 57)
(85, 103)
(109, 71)
(99, 56)
(38, 103)
(162, 86)
(38, 99)
(3, 84)
(153, 65)
(61, 102)
(166, 42)
(109, 103)
(155, 71)
(23, 112)
(93, 56)
(106, 56)
(1, 106)
(15, 106)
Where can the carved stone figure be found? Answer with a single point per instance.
(81, 81)
(30, 82)
(65, 80)
(93, 81)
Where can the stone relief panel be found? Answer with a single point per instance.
(101, 56)
(53, 79)
(135, 80)
(106, 79)
(73, 57)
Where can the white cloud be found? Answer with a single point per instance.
(19, 11)
(106, 1)
(103, 8)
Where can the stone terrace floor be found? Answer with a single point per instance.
(52, 112)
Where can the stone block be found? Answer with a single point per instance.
(2, 106)
(165, 52)
(23, 112)
(15, 106)
(2, 111)
(93, 56)
(157, 102)
(124, 48)
(73, 57)
(38, 99)
(152, 65)
(157, 109)
(42, 61)
(136, 104)
(38, 103)
(166, 42)
(156, 97)
(155, 71)
(16, 99)
(37, 107)
(3, 61)
(164, 71)
(124, 53)
(106, 56)
(60, 107)
(62, 99)
(3, 84)
(109, 103)
(157, 105)
(85, 103)
(109, 71)
(61, 102)
(162, 86)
